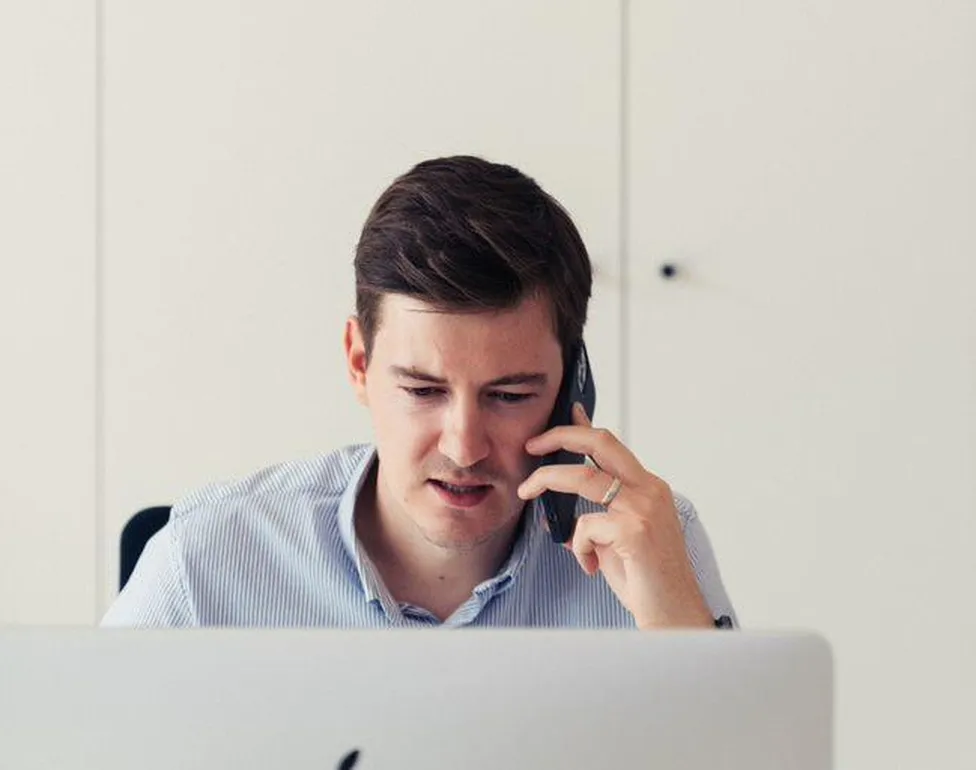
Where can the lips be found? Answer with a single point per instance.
(459, 488)
(460, 495)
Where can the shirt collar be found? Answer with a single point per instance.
(368, 577)
(525, 543)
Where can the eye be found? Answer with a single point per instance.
(511, 398)
(422, 393)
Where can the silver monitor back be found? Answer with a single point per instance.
(433, 700)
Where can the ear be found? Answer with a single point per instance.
(356, 362)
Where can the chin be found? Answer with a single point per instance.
(460, 530)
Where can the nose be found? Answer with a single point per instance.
(464, 435)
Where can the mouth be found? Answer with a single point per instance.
(460, 495)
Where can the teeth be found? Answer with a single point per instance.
(456, 489)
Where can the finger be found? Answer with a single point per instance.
(583, 480)
(589, 562)
(594, 530)
(599, 443)
(579, 415)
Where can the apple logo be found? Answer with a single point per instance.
(349, 761)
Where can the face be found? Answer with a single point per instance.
(453, 399)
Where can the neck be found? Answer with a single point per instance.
(414, 570)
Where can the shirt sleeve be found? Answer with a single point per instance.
(702, 558)
(155, 595)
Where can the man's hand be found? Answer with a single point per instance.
(637, 544)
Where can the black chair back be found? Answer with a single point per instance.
(135, 535)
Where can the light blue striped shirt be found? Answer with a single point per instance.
(278, 548)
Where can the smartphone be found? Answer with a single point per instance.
(576, 386)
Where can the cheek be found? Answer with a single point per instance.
(536, 423)
(406, 429)
(512, 439)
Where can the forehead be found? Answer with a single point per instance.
(483, 341)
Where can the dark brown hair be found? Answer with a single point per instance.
(464, 234)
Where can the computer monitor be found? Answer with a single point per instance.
(304, 699)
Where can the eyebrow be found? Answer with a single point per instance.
(517, 378)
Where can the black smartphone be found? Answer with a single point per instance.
(577, 386)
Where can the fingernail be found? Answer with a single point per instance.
(580, 412)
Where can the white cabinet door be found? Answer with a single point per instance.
(47, 312)
(244, 146)
(808, 376)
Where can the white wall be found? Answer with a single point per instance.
(47, 312)
(809, 379)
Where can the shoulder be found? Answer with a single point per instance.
(276, 489)
(229, 544)
(277, 508)
(325, 475)
(259, 546)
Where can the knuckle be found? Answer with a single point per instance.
(638, 529)
(642, 527)
(590, 473)
(660, 490)
(583, 522)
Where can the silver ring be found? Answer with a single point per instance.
(611, 492)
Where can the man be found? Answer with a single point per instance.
(471, 286)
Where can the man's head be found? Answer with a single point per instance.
(471, 283)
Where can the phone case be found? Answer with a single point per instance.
(577, 386)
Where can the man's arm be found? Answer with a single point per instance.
(155, 594)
